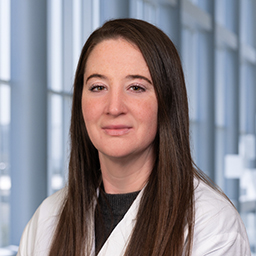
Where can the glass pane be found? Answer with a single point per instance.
(226, 14)
(55, 45)
(149, 13)
(66, 125)
(248, 19)
(189, 57)
(5, 114)
(139, 9)
(250, 98)
(5, 181)
(220, 12)
(96, 14)
(231, 10)
(243, 100)
(55, 143)
(247, 98)
(77, 28)
(194, 1)
(220, 150)
(206, 5)
(220, 88)
(60, 110)
(5, 40)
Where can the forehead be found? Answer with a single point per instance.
(118, 53)
(119, 41)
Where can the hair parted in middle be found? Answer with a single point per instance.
(166, 207)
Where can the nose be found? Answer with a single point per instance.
(115, 102)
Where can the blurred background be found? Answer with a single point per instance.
(40, 42)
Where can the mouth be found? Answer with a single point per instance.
(116, 130)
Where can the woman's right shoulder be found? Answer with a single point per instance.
(37, 236)
(49, 210)
(51, 206)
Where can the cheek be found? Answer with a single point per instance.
(150, 110)
(89, 116)
(148, 115)
(88, 112)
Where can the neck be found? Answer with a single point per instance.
(125, 175)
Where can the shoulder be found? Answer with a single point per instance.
(218, 226)
(52, 204)
(210, 202)
(36, 238)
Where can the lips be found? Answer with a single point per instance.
(116, 130)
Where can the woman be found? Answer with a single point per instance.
(133, 188)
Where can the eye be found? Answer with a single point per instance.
(97, 88)
(137, 88)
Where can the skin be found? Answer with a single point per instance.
(120, 107)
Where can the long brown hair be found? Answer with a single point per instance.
(166, 207)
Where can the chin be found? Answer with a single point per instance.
(117, 155)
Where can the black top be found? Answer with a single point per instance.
(110, 209)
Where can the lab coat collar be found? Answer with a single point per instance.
(119, 238)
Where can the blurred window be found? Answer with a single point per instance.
(5, 119)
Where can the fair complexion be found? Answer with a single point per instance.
(119, 107)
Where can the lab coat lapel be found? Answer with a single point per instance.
(119, 238)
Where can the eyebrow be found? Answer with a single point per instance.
(95, 75)
(138, 77)
(130, 77)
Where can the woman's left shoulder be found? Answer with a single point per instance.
(211, 202)
(218, 225)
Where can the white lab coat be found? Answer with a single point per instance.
(218, 227)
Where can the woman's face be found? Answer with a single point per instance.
(119, 103)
